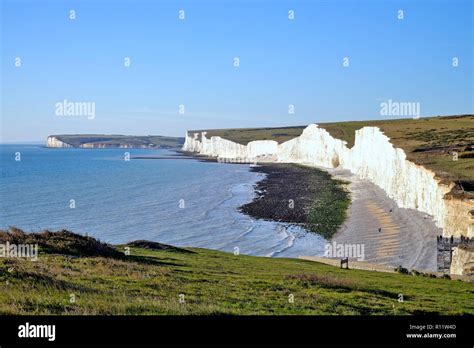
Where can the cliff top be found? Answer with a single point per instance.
(432, 142)
(115, 140)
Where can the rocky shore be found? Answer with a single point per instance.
(300, 195)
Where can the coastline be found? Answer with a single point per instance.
(407, 237)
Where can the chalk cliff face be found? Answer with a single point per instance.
(54, 142)
(218, 147)
(263, 149)
(226, 149)
(314, 146)
(191, 143)
(372, 157)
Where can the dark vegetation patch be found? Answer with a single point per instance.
(323, 280)
(60, 242)
(146, 244)
(436, 138)
(337, 283)
(465, 185)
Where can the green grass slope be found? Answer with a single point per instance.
(161, 280)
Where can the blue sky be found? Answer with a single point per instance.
(190, 62)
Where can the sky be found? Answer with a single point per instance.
(283, 61)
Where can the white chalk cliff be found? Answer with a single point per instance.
(55, 142)
(372, 157)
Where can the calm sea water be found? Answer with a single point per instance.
(119, 201)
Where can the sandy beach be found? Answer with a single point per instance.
(407, 237)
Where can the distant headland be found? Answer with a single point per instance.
(112, 141)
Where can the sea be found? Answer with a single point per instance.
(177, 201)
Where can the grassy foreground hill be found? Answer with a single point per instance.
(79, 275)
